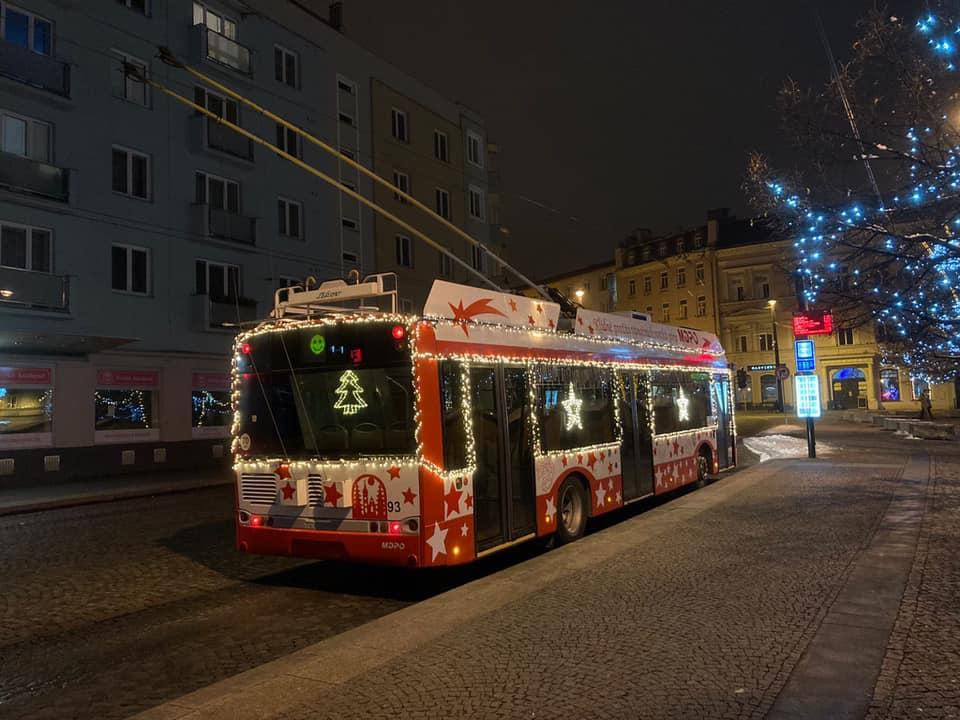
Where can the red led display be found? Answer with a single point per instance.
(812, 322)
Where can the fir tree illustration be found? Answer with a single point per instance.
(350, 394)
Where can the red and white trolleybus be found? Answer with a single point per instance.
(376, 437)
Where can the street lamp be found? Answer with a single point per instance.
(772, 304)
(579, 294)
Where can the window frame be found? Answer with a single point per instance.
(647, 284)
(29, 124)
(226, 182)
(404, 250)
(478, 258)
(400, 121)
(665, 312)
(225, 267)
(223, 17)
(476, 193)
(682, 310)
(32, 18)
(681, 277)
(228, 102)
(130, 153)
(701, 305)
(441, 140)
(476, 138)
(283, 137)
(664, 280)
(125, 57)
(148, 279)
(287, 203)
(632, 287)
(442, 208)
(700, 274)
(845, 337)
(28, 249)
(284, 53)
(742, 343)
(446, 265)
(765, 342)
(401, 181)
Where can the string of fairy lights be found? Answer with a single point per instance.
(908, 266)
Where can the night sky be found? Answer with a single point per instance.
(615, 115)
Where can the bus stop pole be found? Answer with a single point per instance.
(811, 439)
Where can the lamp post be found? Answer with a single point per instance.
(579, 294)
(772, 304)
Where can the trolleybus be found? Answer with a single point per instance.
(372, 436)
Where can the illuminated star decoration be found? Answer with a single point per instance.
(571, 409)
(350, 394)
(683, 406)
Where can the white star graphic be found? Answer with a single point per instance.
(464, 530)
(438, 541)
(600, 492)
(551, 508)
(571, 409)
(619, 497)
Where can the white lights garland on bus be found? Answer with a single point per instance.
(683, 406)
(350, 394)
(571, 410)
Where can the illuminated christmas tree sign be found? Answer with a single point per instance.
(350, 394)
(571, 409)
(683, 406)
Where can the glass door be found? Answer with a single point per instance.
(644, 436)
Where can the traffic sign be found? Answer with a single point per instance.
(806, 357)
(783, 372)
(807, 389)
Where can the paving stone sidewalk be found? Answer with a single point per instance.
(702, 607)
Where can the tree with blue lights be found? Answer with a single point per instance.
(873, 207)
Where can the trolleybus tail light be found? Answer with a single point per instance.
(399, 332)
(395, 528)
(256, 521)
(245, 348)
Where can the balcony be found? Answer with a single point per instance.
(34, 290)
(29, 177)
(26, 66)
(218, 137)
(211, 45)
(223, 313)
(219, 224)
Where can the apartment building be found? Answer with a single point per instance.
(436, 153)
(738, 278)
(136, 234)
(594, 287)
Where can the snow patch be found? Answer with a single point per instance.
(785, 430)
(772, 447)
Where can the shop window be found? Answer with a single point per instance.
(768, 388)
(211, 408)
(575, 407)
(124, 409)
(681, 401)
(25, 410)
(890, 385)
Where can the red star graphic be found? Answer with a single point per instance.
(579, 321)
(676, 447)
(331, 495)
(282, 472)
(468, 502)
(563, 460)
(394, 472)
(513, 305)
(610, 468)
(462, 315)
(590, 329)
(409, 495)
(591, 460)
(531, 320)
(539, 308)
(551, 323)
(579, 458)
(288, 491)
(452, 499)
(601, 455)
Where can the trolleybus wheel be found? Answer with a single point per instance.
(703, 466)
(572, 511)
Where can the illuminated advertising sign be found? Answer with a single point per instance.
(808, 395)
(806, 358)
(812, 322)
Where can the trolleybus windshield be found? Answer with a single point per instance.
(329, 391)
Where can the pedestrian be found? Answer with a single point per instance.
(925, 406)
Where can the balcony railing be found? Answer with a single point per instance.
(34, 290)
(32, 68)
(222, 139)
(223, 313)
(214, 222)
(221, 49)
(23, 175)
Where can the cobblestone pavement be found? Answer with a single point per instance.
(920, 676)
(109, 609)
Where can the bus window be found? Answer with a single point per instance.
(454, 422)
(575, 405)
(681, 401)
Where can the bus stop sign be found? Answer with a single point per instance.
(808, 395)
(806, 358)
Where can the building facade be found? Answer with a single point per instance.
(731, 278)
(136, 234)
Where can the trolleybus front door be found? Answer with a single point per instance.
(636, 453)
(721, 389)
(504, 482)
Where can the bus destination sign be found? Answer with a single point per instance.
(812, 322)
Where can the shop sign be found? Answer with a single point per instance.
(128, 378)
(763, 367)
(211, 381)
(13, 376)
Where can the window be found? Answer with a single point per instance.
(131, 173)
(681, 401)
(123, 409)
(889, 385)
(681, 246)
(401, 181)
(289, 213)
(683, 310)
(740, 294)
(398, 125)
(477, 258)
(347, 87)
(26, 248)
(603, 282)
(349, 223)
(125, 85)
(455, 425)
(764, 289)
(406, 305)
(765, 342)
(662, 248)
(446, 266)
(918, 387)
(219, 105)
(681, 277)
(24, 136)
(632, 288)
(443, 203)
(441, 146)
(404, 251)
(139, 5)
(27, 30)
(217, 280)
(699, 273)
(202, 15)
(698, 240)
(218, 192)
(665, 312)
(211, 408)
(478, 209)
(845, 336)
(647, 285)
(286, 66)
(26, 410)
(664, 280)
(474, 148)
(288, 140)
(575, 406)
(130, 269)
(768, 389)
(701, 305)
(741, 343)
(346, 118)
(286, 281)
